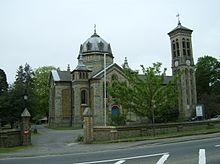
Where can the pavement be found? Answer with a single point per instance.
(57, 142)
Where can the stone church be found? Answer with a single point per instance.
(73, 90)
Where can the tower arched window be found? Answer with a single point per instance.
(83, 96)
(101, 46)
(88, 46)
(183, 43)
(187, 43)
(188, 47)
(177, 44)
(177, 47)
(174, 48)
(80, 75)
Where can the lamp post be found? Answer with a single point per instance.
(25, 100)
(153, 106)
(105, 112)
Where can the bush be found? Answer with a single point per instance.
(119, 120)
(80, 138)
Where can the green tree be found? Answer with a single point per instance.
(22, 86)
(3, 95)
(208, 84)
(3, 82)
(41, 90)
(146, 95)
(207, 75)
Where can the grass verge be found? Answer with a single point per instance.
(62, 128)
(14, 149)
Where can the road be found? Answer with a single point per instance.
(205, 150)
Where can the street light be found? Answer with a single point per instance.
(153, 106)
(25, 100)
(105, 112)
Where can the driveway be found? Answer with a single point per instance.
(49, 141)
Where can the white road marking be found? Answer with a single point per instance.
(217, 145)
(163, 159)
(119, 162)
(202, 158)
(121, 159)
(71, 144)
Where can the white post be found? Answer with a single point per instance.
(105, 88)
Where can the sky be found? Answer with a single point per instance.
(49, 32)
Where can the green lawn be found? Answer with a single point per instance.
(13, 149)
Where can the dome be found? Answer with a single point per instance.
(95, 44)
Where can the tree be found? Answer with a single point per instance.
(22, 86)
(207, 75)
(3, 82)
(41, 90)
(208, 84)
(3, 95)
(146, 95)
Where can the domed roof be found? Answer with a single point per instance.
(95, 44)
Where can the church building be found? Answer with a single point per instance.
(71, 91)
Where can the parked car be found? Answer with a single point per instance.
(217, 117)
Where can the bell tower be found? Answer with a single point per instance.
(183, 63)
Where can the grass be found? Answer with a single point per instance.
(62, 128)
(14, 149)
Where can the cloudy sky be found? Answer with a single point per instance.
(49, 32)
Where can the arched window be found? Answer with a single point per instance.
(183, 43)
(188, 47)
(174, 47)
(88, 46)
(114, 77)
(184, 52)
(83, 96)
(187, 44)
(101, 46)
(177, 44)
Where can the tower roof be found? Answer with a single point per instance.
(180, 28)
(95, 44)
(125, 65)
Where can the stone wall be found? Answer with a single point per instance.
(108, 133)
(10, 138)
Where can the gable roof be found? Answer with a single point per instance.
(64, 76)
(165, 81)
(100, 74)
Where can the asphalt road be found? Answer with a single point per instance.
(203, 150)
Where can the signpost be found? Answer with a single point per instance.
(200, 111)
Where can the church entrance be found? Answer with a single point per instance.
(115, 111)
